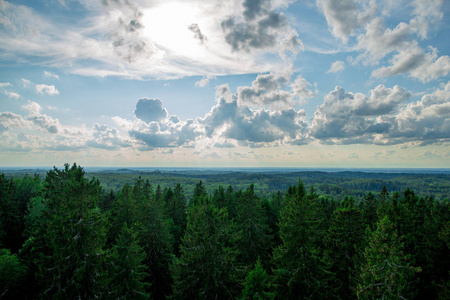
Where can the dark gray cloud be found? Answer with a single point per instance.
(198, 33)
(149, 110)
(260, 27)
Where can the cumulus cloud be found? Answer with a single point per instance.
(260, 27)
(337, 66)
(346, 16)
(424, 66)
(10, 120)
(154, 129)
(426, 121)
(8, 93)
(383, 118)
(407, 57)
(43, 121)
(267, 90)
(228, 120)
(107, 138)
(149, 110)
(354, 118)
(46, 89)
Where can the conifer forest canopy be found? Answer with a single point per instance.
(64, 235)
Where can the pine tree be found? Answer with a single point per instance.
(153, 228)
(206, 268)
(343, 241)
(257, 285)
(66, 245)
(254, 239)
(176, 209)
(386, 272)
(302, 271)
(127, 271)
(125, 210)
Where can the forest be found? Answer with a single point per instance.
(68, 235)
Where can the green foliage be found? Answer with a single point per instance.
(343, 241)
(127, 279)
(257, 285)
(301, 271)
(175, 206)
(12, 274)
(253, 240)
(386, 272)
(153, 228)
(66, 245)
(206, 268)
(134, 241)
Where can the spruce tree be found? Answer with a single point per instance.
(153, 226)
(127, 271)
(206, 268)
(254, 239)
(343, 241)
(257, 284)
(66, 245)
(386, 272)
(302, 271)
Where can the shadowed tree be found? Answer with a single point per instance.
(386, 272)
(127, 271)
(205, 269)
(302, 271)
(66, 245)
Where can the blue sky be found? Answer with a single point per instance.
(256, 83)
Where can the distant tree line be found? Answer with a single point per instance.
(64, 237)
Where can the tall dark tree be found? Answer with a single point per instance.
(176, 209)
(344, 239)
(302, 271)
(257, 284)
(206, 268)
(157, 241)
(127, 271)
(386, 272)
(254, 240)
(125, 210)
(66, 246)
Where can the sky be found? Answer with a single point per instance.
(225, 83)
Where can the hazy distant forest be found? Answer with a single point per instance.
(70, 235)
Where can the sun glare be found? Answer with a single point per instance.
(168, 27)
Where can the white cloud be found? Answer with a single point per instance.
(337, 66)
(205, 80)
(354, 118)
(424, 66)
(268, 90)
(12, 94)
(43, 121)
(50, 75)
(135, 39)
(344, 17)
(46, 89)
(4, 84)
